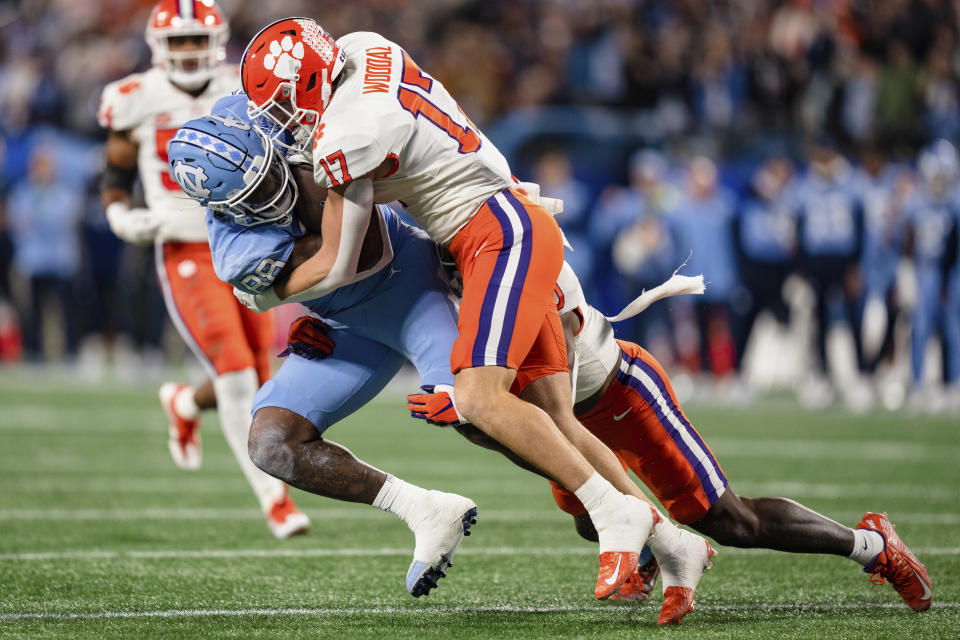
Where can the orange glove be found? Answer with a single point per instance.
(308, 338)
(435, 406)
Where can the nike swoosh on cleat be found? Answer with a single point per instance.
(927, 594)
(621, 416)
(616, 571)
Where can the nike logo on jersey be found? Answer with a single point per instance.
(616, 571)
(481, 248)
(622, 415)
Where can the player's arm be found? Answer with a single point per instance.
(346, 218)
(135, 225)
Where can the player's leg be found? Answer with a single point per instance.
(665, 451)
(292, 412)
(510, 255)
(207, 316)
(182, 405)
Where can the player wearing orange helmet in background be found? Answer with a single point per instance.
(380, 130)
(141, 112)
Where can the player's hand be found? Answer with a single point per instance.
(309, 338)
(435, 406)
(137, 226)
(259, 302)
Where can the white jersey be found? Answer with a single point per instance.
(386, 108)
(152, 109)
(596, 350)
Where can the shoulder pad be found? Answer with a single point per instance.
(249, 258)
(122, 103)
(351, 144)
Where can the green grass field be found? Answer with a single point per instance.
(101, 536)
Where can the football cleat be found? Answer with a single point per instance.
(896, 563)
(677, 602)
(639, 586)
(616, 567)
(681, 571)
(446, 520)
(285, 520)
(184, 441)
(631, 529)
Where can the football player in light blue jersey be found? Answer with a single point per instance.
(375, 319)
(932, 219)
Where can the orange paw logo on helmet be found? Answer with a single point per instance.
(317, 135)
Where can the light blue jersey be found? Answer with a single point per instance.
(830, 215)
(404, 312)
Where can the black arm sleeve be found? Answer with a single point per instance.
(115, 177)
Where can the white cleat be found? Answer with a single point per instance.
(184, 440)
(681, 571)
(439, 527)
(286, 521)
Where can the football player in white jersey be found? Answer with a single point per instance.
(625, 398)
(142, 112)
(382, 130)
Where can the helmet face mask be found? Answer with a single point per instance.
(288, 71)
(269, 192)
(175, 32)
(291, 128)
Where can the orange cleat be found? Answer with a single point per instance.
(677, 602)
(639, 586)
(285, 520)
(616, 567)
(896, 563)
(184, 441)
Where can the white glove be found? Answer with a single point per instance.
(138, 226)
(259, 302)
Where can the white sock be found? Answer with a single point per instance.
(235, 392)
(184, 404)
(399, 497)
(867, 545)
(622, 522)
(596, 491)
(664, 538)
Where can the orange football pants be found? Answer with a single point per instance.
(639, 418)
(509, 254)
(221, 332)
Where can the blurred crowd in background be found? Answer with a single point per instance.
(799, 154)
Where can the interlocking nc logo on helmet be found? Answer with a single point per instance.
(191, 179)
(284, 58)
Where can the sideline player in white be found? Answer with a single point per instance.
(383, 130)
(142, 112)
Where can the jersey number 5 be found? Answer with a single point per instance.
(418, 105)
(163, 137)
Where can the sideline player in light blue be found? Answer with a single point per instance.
(376, 321)
(932, 219)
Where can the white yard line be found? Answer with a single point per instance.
(168, 554)
(419, 611)
(359, 513)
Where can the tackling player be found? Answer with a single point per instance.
(252, 191)
(142, 112)
(250, 194)
(625, 398)
(382, 130)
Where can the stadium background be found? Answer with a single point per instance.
(625, 109)
(653, 120)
